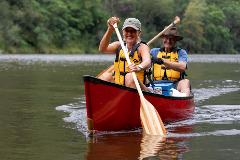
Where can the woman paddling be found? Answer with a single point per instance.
(138, 51)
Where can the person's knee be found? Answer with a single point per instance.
(187, 82)
(184, 86)
(106, 77)
(129, 82)
(184, 82)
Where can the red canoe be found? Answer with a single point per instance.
(112, 107)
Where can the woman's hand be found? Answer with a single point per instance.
(111, 21)
(134, 68)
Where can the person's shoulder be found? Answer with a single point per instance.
(182, 55)
(116, 46)
(143, 45)
(116, 43)
(155, 50)
(181, 51)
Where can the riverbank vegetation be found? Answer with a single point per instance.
(76, 26)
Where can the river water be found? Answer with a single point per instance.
(43, 115)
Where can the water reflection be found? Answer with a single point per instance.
(168, 148)
(114, 146)
(151, 145)
(135, 145)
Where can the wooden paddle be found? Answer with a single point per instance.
(176, 20)
(110, 69)
(151, 121)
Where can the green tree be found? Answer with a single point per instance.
(10, 37)
(74, 22)
(154, 15)
(218, 35)
(120, 8)
(50, 25)
(76, 26)
(193, 26)
(232, 22)
(180, 7)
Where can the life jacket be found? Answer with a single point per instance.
(120, 64)
(159, 72)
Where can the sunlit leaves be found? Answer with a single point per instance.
(76, 26)
(193, 25)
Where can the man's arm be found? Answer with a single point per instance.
(181, 65)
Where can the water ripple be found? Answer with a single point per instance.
(206, 93)
(208, 114)
(230, 132)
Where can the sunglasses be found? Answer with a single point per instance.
(130, 30)
(171, 38)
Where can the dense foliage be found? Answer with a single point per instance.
(76, 26)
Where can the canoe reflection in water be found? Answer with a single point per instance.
(135, 145)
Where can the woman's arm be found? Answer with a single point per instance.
(105, 46)
(144, 52)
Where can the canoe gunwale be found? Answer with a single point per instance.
(99, 81)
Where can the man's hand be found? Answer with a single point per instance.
(158, 60)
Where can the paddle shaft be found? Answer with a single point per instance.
(177, 20)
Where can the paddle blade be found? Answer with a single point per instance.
(108, 71)
(151, 121)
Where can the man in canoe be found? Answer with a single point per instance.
(139, 53)
(170, 62)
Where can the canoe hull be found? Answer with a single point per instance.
(112, 107)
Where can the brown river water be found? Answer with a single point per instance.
(43, 115)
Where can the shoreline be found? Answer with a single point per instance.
(202, 58)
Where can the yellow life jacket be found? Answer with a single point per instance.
(120, 65)
(160, 72)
